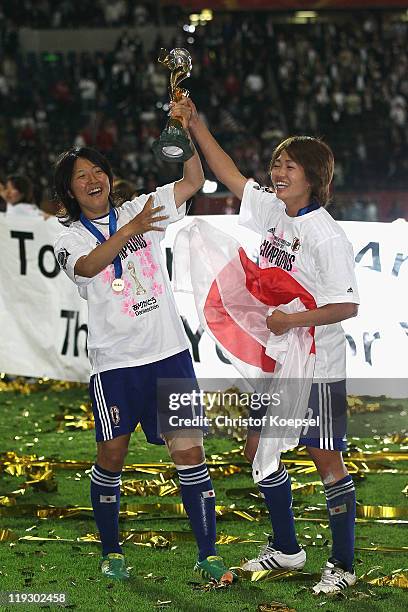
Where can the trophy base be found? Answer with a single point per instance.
(173, 146)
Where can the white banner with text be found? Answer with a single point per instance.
(43, 320)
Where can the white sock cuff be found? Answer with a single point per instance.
(189, 467)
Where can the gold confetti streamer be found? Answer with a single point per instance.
(381, 514)
(16, 465)
(274, 606)
(20, 385)
(303, 488)
(398, 578)
(358, 405)
(143, 537)
(6, 535)
(274, 575)
(81, 419)
(161, 487)
(162, 604)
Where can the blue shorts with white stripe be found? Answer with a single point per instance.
(124, 397)
(328, 407)
(326, 417)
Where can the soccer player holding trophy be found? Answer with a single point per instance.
(292, 220)
(135, 335)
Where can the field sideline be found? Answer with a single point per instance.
(161, 575)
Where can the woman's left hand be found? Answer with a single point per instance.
(278, 322)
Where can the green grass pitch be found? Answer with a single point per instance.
(162, 579)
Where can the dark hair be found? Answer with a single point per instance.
(24, 185)
(124, 190)
(69, 209)
(316, 159)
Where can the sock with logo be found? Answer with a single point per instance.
(105, 496)
(199, 503)
(277, 493)
(341, 505)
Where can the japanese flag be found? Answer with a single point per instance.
(233, 297)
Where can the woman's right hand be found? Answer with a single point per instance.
(145, 220)
(177, 109)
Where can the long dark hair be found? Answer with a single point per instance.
(69, 209)
(316, 159)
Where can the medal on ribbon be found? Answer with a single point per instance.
(118, 284)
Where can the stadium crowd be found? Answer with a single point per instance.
(87, 13)
(350, 79)
(253, 79)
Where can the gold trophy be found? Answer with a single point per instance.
(174, 144)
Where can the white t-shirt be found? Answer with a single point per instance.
(141, 324)
(24, 209)
(313, 249)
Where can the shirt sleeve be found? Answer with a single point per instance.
(335, 277)
(259, 207)
(68, 248)
(163, 196)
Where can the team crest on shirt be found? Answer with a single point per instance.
(115, 416)
(62, 258)
(267, 189)
(295, 245)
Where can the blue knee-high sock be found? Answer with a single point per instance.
(105, 496)
(199, 503)
(277, 492)
(341, 505)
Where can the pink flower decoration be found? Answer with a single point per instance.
(157, 289)
(127, 308)
(127, 289)
(108, 274)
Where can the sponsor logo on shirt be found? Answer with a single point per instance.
(350, 290)
(62, 258)
(133, 244)
(266, 189)
(277, 256)
(145, 306)
(295, 245)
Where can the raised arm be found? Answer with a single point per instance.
(192, 181)
(218, 160)
(193, 175)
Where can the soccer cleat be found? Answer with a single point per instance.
(213, 568)
(271, 559)
(334, 578)
(113, 566)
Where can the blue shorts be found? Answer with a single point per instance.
(123, 397)
(328, 408)
(328, 401)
